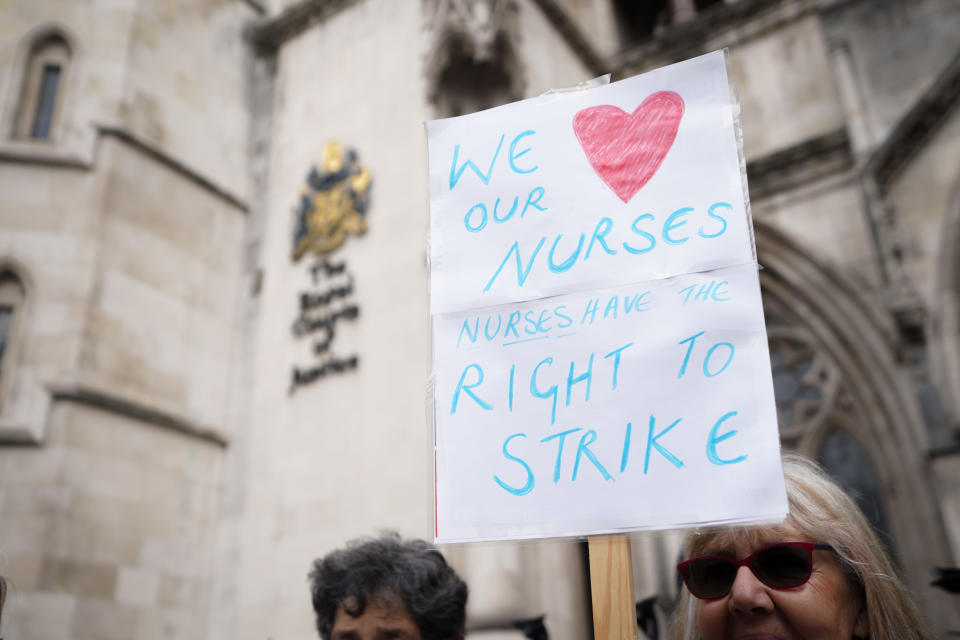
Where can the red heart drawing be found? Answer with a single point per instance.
(627, 149)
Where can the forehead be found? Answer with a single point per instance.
(381, 618)
(741, 539)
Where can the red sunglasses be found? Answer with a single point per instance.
(784, 565)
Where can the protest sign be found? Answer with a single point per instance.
(599, 354)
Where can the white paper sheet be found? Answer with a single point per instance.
(600, 358)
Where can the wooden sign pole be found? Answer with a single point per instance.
(611, 584)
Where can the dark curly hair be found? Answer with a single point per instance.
(387, 568)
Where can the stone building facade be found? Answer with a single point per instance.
(175, 447)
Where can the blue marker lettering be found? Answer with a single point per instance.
(704, 292)
(483, 219)
(566, 264)
(717, 292)
(713, 439)
(512, 325)
(584, 448)
(522, 273)
(513, 208)
(543, 322)
(652, 443)
(710, 212)
(455, 173)
(468, 388)
(625, 456)
(540, 394)
(686, 358)
(531, 328)
(513, 370)
(560, 314)
(486, 327)
(645, 234)
(675, 220)
(592, 305)
(706, 361)
(599, 233)
(562, 436)
(472, 335)
(532, 202)
(616, 361)
(513, 155)
(636, 301)
(587, 376)
(528, 486)
(612, 305)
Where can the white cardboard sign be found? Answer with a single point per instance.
(599, 352)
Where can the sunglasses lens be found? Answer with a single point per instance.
(709, 577)
(783, 566)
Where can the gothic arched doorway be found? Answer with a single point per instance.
(840, 400)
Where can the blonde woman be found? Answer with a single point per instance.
(821, 574)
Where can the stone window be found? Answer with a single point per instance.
(41, 100)
(639, 21)
(472, 63)
(467, 86)
(846, 461)
(12, 294)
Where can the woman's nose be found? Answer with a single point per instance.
(748, 594)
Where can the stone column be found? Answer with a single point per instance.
(683, 10)
(860, 126)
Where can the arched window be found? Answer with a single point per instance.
(466, 86)
(41, 99)
(848, 463)
(12, 295)
(638, 21)
(472, 64)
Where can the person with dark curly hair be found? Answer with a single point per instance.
(3, 596)
(387, 587)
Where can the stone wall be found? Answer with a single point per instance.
(161, 307)
(897, 49)
(186, 86)
(129, 246)
(350, 453)
(174, 486)
(785, 86)
(105, 529)
(94, 83)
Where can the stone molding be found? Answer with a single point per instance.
(915, 128)
(575, 38)
(172, 163)
(39, 153)
(810, 160)
(23, 420)
(256, 5)
(148, 149)
(53, 156)
(115, 403)
(878, 172)
(715, 28)
(266, 36)
(269, 34)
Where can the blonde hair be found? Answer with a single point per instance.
(823, 512)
